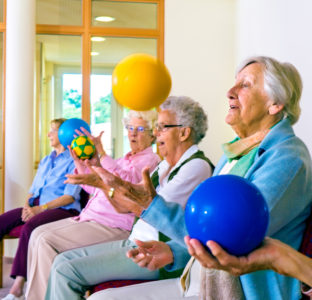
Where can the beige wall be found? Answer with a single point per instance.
(282, 29)
(206, 39)
(200, 54)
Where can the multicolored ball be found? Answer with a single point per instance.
(83, 147)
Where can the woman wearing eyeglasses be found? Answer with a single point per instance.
(99, 221)
(182, 123)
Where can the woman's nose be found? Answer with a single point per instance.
(231, 94)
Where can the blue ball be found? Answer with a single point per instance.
(66, 131)
(229, 210)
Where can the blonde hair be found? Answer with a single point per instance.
(58, 121)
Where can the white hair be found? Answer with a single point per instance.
(282, 83)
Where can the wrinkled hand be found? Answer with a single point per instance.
(97, 140)
(260, 259)
(128, 196)
(29, 212)
(92, 178)
(152, 255)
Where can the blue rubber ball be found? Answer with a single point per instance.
(66, 131)
(229, 210)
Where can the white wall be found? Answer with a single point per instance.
(206, 39)
(281, 29)
(200, 54)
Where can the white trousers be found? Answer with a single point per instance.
(53, 238)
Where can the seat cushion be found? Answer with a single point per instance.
(16, 232)
(115, 284)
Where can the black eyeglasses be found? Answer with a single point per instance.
(165, 127)
(138, 129)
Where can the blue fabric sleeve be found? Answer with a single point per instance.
(167, 217)
(180, 256)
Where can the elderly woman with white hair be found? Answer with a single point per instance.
(263, 106)
(182, 123)
(98, 222)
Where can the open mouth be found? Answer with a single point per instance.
(159, 144)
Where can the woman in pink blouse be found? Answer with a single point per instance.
(98, 222)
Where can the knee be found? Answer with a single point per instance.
(59, 260)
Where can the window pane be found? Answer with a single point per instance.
(124, 14)
(59, 12)
(106, 115)
(58, 82)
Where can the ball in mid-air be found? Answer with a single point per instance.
(141, 82)
(83, 147)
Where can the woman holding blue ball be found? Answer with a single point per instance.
(49, 199)
(263, 106)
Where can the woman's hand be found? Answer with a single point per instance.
(152, 255)
(260, 259)
(97, 140)
(92, 179)
(127, 196)
(29, 212)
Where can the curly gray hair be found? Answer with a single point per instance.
(150, 116)
(189, 114)
(282, 83)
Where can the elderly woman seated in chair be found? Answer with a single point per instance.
(263, 105)
(49, 199)
(98, 222)
(182, 124)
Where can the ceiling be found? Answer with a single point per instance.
(61, 49)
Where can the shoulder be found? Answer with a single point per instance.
(196, 167)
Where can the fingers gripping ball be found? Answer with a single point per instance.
(141, 82)
(83, 147)
(229, 210)
(66, 131)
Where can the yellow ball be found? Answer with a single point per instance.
(83, 147)
(141, 82)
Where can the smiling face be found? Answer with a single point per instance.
(250, 108)
(168, 140)
(139, 140)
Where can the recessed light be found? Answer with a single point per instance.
(97, 39)
(104, 19)
(95, 53)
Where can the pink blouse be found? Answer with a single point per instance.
(129, 168)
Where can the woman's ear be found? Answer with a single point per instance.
(185, 133)
(275, 108)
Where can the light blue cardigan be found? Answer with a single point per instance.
(282, 172)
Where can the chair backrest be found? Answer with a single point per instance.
(306, 245)
(84, 198)
(306, 248)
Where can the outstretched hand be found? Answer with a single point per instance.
(128, 197)
(152, 255)
(92, 178)
(260, 259)
(97, 140)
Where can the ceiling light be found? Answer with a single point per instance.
(97, 39)
(94, 53)
(104, 19)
